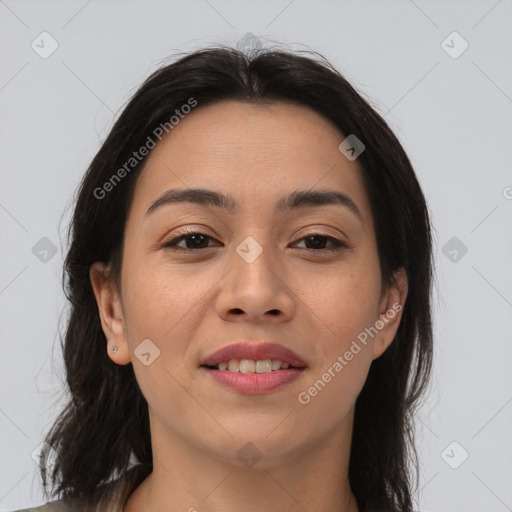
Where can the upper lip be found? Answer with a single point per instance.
(255, 352)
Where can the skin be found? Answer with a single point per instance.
(189, 305)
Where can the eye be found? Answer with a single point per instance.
(317, 241)
(199, 241)
(194, 240)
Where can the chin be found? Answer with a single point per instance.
(259, 450)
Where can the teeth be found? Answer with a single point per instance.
(251, 366)
(276, 364)
(234, 365)
(247, 366)
(263, 366)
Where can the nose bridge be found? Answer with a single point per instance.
(253, 263)
(255, 284)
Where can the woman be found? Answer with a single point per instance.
(250, 278)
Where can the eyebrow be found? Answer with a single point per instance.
(297, 199)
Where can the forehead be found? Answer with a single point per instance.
(256, 153)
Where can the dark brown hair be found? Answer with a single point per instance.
(104, 429)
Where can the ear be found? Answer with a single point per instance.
(111, 313)
(390, 312)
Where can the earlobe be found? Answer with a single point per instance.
(110, 314)
(390, 313)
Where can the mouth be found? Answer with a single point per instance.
(252, 366)
(254, 369)
(253, 358)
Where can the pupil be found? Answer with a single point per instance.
(317, 245)
(196, 240)
(318, 242)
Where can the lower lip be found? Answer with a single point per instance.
(254, 383)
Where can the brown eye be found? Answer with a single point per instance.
(192, 241)
(198, 241)
(317, 242)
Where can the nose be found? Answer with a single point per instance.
(256, 291)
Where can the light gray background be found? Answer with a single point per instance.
(453, 116)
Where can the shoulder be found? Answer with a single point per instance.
(53, 506)
(111, 496)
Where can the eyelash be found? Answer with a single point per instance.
(337, 245)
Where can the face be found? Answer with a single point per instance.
(304, 276)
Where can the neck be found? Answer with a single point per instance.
(189, 478)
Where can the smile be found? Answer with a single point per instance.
(252, 366)
(253, 382)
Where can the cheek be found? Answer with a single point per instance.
(344, 302)
(343, 306)
(334, 390)
(160, 303)
(346, 351)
